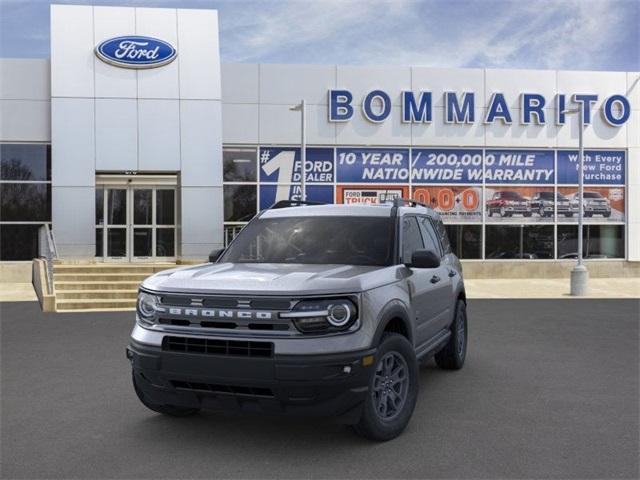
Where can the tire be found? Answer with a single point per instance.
(452, 356)
(568, 215)
(606, 214)
(527, 214)
(490, 212)
(170, 410)
(373, 424)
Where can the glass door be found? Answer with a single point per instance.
(136, 223)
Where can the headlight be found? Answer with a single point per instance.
(147, 306)
(323, 316)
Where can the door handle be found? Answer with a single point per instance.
(452, 273)
(435, 279)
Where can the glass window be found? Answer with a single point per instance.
(25, 202)
(318, 240)
(429, 236)
(99, 242)
(165, 207)
(142, 207)
(165, 242)
(239, 164)
(117, 242)
(25, 162)
(239, 203)
(528, 242)
(466, 240)
(99, 206)
(598, 241)
(117, 207)
(18, 242)
(411, 238)
(442, 233)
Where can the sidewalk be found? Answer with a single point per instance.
(550, 288)
(476, 288)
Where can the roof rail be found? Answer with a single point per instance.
(293, 203)
(401, 202)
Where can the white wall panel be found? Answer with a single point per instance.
(24, 79)
(361, 80)
(439, 133)
(201, 215)
(201, 138)
(597, 135)
(111, 81)
(73, 142)
(279, 125)
(199, 55)
(158, 135)
(633, 129)
(240, 83)
(603, 84)
(116, 134)
(633, 169)
(73, 215)
(319, 130)
(159, 23)
(240, 123)
(360, 131)
(72, 56)
(288, 84)
(440, 80)
(519, 135)
(514, 82)
(25, 121)
(633, 89)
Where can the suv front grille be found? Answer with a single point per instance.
(228, 389)
(209, 346)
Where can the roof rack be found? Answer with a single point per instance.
(293, 203)
(402, 202)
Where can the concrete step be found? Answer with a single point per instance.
(103, 277)
(97, 294)
(62, 286)
(94, 304)
(106, 268)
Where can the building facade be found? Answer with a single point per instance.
(167, 163)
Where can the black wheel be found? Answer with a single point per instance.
(527, 214)
(452, 356)
(568, 215)
(490, 212)
(171, 410)
(606, 214)
(393, 390)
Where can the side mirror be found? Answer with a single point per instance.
(215, 254)
(424, 259)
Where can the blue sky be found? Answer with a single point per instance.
(546, 34)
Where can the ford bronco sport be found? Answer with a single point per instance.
(312, 309)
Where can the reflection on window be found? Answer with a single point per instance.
(239, 164)
(18, 242)
(25, 202)
(466, 240)
(528, 242)
(598, 241)
(239, 203)
(25, 162)
(165, 207)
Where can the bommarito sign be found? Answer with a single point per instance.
(460, 108)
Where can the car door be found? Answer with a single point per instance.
(419, 282)
(442, 301)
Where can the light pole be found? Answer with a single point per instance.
(303, 146)
(580, 274)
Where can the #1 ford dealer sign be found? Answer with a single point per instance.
(136, 52)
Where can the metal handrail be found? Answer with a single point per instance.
(48, 249)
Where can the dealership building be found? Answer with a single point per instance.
(127, 163)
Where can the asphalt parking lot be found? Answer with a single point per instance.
(550, 390)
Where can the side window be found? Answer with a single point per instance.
(442, 233)
(411, 238)
(429, 235)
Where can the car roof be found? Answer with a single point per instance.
(342, 210)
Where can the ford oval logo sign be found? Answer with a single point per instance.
(134, 51)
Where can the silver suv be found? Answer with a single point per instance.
(311, 310)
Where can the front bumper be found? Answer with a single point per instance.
(316, 385)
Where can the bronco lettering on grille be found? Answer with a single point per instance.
(214, 313)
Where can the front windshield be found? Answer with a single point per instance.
(512, 196)
(345, 240)
(592, 195)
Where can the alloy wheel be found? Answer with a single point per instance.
(390, 386)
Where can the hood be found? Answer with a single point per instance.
(271, 279)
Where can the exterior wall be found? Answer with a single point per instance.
(110, 119)
(256, 101)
